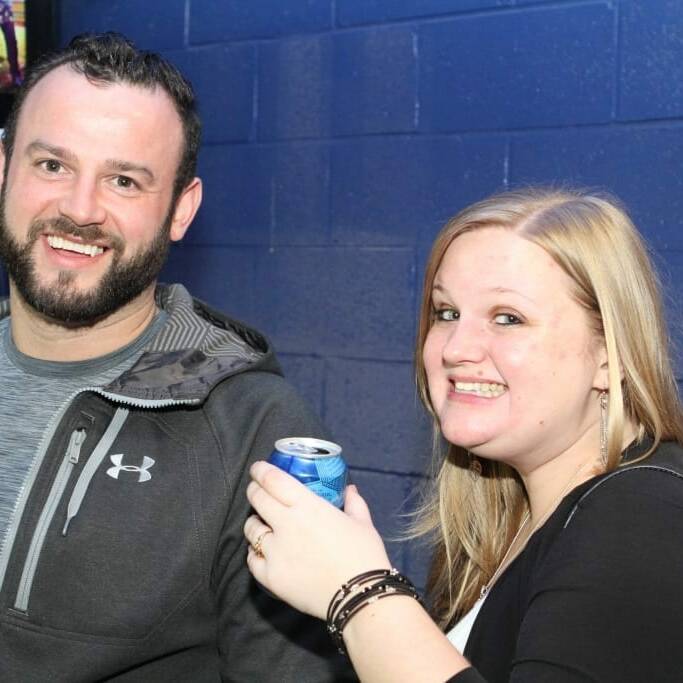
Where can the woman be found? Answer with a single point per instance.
(558, 510)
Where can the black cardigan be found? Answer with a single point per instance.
(597, 594)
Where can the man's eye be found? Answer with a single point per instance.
(51, 165)
(125, 182)
(507, 319)
(446, 314)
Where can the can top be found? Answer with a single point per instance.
(307, 447)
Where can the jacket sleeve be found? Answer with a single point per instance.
(606, 601)
(261, 638)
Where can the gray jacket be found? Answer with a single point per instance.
(125, 558)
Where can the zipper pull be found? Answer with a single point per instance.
(73, 450)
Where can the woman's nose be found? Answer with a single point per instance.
(466, 342)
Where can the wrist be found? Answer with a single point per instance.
(358, 593)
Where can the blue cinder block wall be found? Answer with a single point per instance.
(339, 136)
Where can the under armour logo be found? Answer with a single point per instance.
(143, 473)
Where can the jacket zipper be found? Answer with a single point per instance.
(60, 482)
(69, 460)
(22, 498)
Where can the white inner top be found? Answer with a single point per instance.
(459, 634)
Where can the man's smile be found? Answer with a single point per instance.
(61, 243)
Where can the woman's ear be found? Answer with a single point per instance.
(601, 379)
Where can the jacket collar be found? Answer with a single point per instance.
(196, 348)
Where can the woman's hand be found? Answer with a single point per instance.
(308, 548)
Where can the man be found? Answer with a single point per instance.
(130, 412)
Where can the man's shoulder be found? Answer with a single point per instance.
(258, 387)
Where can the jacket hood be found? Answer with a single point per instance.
(196, 348)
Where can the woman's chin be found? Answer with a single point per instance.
(472, 441)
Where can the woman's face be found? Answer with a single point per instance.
(511, 361)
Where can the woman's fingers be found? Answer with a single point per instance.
(280, 485)
(254, 528)
(256, 533)
(355, 505)
(268, 507)
(303, 551)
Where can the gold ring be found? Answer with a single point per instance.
(258, 550)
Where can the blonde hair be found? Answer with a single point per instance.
(472, 519)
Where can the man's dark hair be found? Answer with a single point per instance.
(112, 58)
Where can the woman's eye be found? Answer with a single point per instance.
(507, 319)
(446, 314)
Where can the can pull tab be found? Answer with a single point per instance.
(73, 450)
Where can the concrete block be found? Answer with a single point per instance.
(641, 165)
(160, 27)
(301, 193)
(544, 66)
(417, 552)
(293, 297)
(389, 190)
(236, 208)
(373, 409)
(237, 20)
(385, 495)
(371, 304)
(351, 12)
(223, 78)
(375, 81)
(307, 374)
(295, 87)
(355, 302)
(651, 73)
(221, 276)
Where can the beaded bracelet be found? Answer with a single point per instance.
(361, 591)
(354, 584)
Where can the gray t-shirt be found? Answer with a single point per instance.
(34, 391)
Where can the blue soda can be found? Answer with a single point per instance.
(315, 463)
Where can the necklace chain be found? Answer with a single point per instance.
(507, 558)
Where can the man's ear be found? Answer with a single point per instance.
(186, 208)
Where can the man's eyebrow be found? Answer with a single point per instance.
(59, 152)
(129, 167)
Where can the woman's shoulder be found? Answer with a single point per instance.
(609, 567)
(624, 518)
(655, 480)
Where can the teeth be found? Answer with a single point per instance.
(80, 248)
(485, 389)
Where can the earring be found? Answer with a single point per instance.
(475, 465)
(603, 426)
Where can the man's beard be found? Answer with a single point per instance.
(60, 301)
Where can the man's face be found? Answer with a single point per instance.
(85, 210)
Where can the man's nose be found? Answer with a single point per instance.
(82, 204)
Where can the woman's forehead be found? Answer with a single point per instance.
(498, 259)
